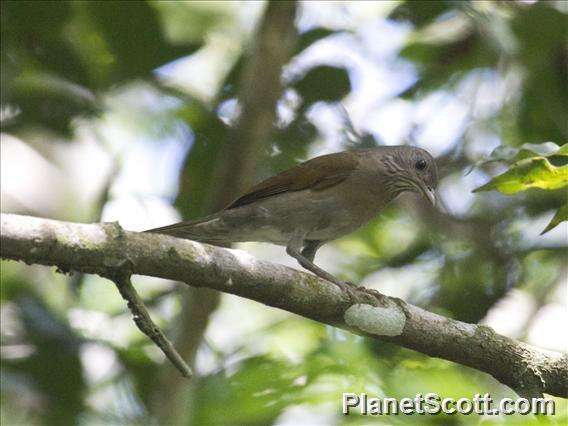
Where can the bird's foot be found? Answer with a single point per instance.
(375, 293)
(345, 286)
(349, 288)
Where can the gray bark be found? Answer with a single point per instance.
(104, 248)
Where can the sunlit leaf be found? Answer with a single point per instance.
(535, 172)
(512, 154)
(534, 166)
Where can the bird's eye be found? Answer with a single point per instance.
(420, 165)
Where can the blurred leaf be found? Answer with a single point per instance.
(50, 101)
(54, 366)
(419, 12)
(41, 74)
(198, 179)
(133, 34)
(471, 281)
(542, 113)
(56, 56)
(14, 282)
(541, 272)
(443, 64)
(192, 21)
(256, 390)
(324, 83)
(291, 144)
(268, 386)
(560, 216)
(310, 37)
(33, 36)
(141, 368)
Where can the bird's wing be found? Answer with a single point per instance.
(316, 174)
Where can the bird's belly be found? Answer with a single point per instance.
(328, 228)
(337, 225)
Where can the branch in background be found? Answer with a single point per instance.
(98, 249)
(261, 88)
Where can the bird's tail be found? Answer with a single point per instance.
(209, 229)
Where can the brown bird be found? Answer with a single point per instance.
(317, 201)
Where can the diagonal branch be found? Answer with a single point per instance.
(144, 322)
(98, 249)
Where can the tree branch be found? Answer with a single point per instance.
(100, 248)
(143, 321)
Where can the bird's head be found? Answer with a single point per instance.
(411, 169)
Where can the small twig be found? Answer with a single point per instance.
(145, 323)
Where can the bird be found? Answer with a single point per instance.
(317, 201)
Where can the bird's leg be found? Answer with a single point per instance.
(310, 248)
(305, 259)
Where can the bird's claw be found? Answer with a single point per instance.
(374, 292)
(350, 289)
(347, 287)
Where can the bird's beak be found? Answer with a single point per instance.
(429, 194)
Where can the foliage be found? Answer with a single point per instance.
(532, 166)
(120, 110)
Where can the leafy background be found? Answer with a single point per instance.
(121, 111)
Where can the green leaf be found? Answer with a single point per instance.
(56, 56)
(420, 13)
(310, 37)
(542, 106)
(54, 366)
(535, 172)
(560, 216)
(197, 181)
(134, 37)
(533, 166)
(324, 83)
(510, 154)
(513, 154)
